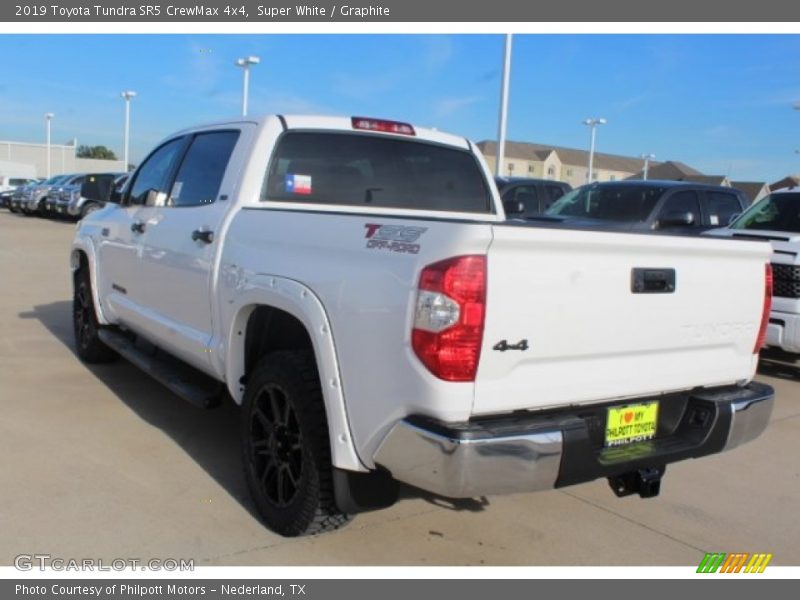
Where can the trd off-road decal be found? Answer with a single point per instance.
(394, 238)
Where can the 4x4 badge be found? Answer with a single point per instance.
(503, 345)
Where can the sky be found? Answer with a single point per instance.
(722, 104)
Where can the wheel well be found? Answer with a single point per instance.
(270, 330)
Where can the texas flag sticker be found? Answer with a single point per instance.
(298, 184)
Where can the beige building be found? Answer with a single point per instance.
(62, 159)
(523, 159)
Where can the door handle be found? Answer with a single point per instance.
(204, 236)
(652, 281)
(137, 226)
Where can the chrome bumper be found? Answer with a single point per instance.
(464, 468)
(530, 453)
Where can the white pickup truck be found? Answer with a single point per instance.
(776, 219)
(353, 284)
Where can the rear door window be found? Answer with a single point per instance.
(527, 195)
(682, 203)
(372, 171)
(200, 174)
(721, 207)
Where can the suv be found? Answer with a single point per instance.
(525, 197)
(669, 206)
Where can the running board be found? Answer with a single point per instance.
(187, 382)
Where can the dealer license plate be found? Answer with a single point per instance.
(632, 423)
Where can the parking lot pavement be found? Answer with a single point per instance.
(103, 462)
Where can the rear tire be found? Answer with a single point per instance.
(286, 447)
(88, 346)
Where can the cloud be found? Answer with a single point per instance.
(448, 106)
(439, 51)
(627, 103)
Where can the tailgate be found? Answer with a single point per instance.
(590, 337)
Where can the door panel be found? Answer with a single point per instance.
(179, 247)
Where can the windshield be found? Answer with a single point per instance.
(624, 203)
(777, 212)
(55, 180)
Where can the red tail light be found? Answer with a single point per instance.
(450, 311)
(762, 330)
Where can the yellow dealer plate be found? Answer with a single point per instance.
(632, 423)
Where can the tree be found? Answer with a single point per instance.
(96, 152)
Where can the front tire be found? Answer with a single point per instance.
(286, 446)
(88, 346)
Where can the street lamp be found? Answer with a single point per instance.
(127, 95)
(48, 117)
(647, 158)
(245, 64)
(592, 123)
(501, 126)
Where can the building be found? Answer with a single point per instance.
(63, 159)
(523, 159)
(789, 181)
(754, 190)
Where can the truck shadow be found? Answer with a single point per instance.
(209, 437)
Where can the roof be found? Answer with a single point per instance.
(661, 183)
(671, 169)
(568, 156)
(751, 189)
(720, 180)
(788, 181)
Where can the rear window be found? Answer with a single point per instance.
(371, 171)
(608, 203)
(777, 212)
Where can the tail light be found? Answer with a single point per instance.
(762, 330)
(450, 312)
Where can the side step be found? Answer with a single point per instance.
(187, 382)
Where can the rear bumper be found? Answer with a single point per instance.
(537, 451)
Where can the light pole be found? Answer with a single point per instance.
(592, 123)
(127, 95)
(48, 117)
(647, 158)
(501, 127)
(245, 64)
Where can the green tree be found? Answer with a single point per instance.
(96, 152)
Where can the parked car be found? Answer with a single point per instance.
(776, 219)
(526, 197)
(669, 206)
(79, 200)
(50, 206)
(354, 285)
(6, 196)
(34, 196)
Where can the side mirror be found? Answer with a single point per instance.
(676, 218)
(513, 207)
(115, 197)
(734, 216)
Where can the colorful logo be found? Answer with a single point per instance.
(740, 562)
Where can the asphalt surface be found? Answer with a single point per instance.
(103, 462)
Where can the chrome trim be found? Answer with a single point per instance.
(468, 468)
(749, 419)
